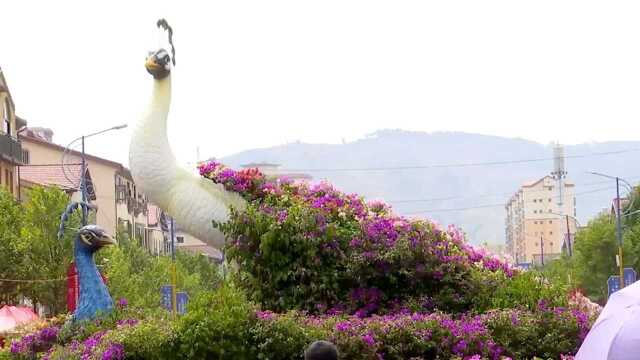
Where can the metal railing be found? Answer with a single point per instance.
(11, 149)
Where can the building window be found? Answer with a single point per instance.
(26, 159)
(551, 243)
(180, 239)
(139, 231)
(6, 123)
(550, 221)
(535, 200)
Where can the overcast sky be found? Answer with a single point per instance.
(261, 73)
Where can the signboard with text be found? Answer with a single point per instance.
(613, 283)
(166, 300)
(182, 299)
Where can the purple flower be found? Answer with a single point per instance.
(123, 302)
(113, 352)
(343, 326)
(48, 334)
(369, 339)
(282, 216)
(264, 315)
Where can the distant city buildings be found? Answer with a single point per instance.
(536, 225)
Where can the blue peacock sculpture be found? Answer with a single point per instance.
(94, 296)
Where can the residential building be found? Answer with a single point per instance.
(536, 226)
(11, 155)
(109, 184)
(137, 216)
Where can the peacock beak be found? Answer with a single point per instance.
(106, 240)
(151, 64)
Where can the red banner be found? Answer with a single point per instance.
(73, 288)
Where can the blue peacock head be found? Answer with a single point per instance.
(92, 238)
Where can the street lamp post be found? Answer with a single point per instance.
(83, 167)
(577, 223)
(618, 222)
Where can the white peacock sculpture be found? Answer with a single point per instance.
(191, 200)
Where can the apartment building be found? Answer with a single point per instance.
(11, 155)
(536, 226)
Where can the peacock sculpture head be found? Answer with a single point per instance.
(158, 64)
(92, 238)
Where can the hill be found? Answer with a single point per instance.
(445, 190)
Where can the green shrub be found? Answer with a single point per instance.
(217, 326)
(284, 338)
(526, 289)
(149, 339)
(546, 333)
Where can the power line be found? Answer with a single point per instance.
(459, 165)
(491, 205)
(459, 197)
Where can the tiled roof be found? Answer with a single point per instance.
(52, 175)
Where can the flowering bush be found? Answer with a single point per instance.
(224, 325)
(106, 338)
(318, 249)
(321, 264)
(518, 334)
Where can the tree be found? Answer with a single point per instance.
(11, 216)
(136, 275)
(596, 248)
(45, 257)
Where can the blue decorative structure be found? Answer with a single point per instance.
(94, 298)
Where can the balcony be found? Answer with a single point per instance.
(10, 149)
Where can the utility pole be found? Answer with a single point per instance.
(541, 250)
(173, 270)
(618, 223)
(619, 233)
(568, 236)
(83, 185)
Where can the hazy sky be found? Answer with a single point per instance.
(260, 73)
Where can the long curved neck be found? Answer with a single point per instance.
(153, 164)
(86, 267)
(94, 294)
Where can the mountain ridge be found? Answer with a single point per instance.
(468, 186)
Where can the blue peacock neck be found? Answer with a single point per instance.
(94, 296)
